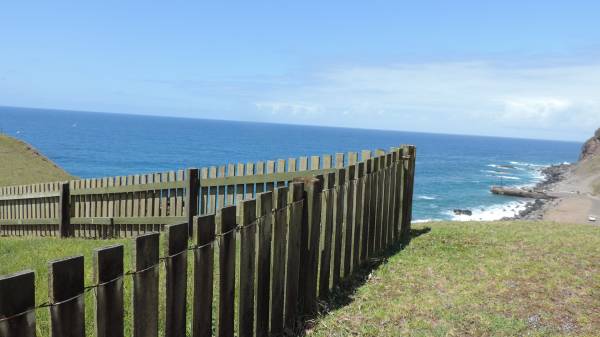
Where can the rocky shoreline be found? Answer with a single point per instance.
(535, 209)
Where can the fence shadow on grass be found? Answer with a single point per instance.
(343, 295)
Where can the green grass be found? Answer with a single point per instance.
(480, 279)
(20, 253)
(458, 279)
(22, 164)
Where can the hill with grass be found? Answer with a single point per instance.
(21, 163)
(512, 278)
(478, 279)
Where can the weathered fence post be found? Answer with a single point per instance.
(264, 209)
(328, 200)
(312, 220)
(410, 182)
(358, 207)
(145, 285)
(226, 224)
(108, 275)
(294, 251)
(67, 314)
(387, 198)
(17, 300)
(393, 196)
(176, 279)
(408, 166)
(192, 188)
(203, 276)
(372, 185)
(348, 229)
(64, 211)
(397, 194)
(280, 227)
(339, 217)
(247, 267)
(366, 197)
(380, 194)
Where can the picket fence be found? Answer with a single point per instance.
(279, 249)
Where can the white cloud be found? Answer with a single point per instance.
(292, 108)
(542, 110)
(559, 101)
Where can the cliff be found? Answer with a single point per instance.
(591, 147)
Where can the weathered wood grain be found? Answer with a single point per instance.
(294, 251)
(280, 228)
(313, 189)
(247, 267)
(145, 285)
(264, 208)
(191, 197)
(348, 229)
(17, 295)
(108, 276)
(203, 276)
(176, 279)
(226, 223)
(327, 209)
(67, 315)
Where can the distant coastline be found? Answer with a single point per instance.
(574, 190)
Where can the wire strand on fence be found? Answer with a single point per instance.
(292, 206)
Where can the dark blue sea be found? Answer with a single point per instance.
(452, 171)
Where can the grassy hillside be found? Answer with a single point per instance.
(480, 279)
(22, 164)
(454, 279)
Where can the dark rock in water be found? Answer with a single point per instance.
(591, 147)
(463, 212)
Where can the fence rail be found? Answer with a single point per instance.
(131, 205)
(277, 254)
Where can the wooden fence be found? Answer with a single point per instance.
(277, 255)
(131, 205)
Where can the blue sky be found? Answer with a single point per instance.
(511, 68)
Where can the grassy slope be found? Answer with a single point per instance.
(22, 164)
(499, 278)
(481, 279)
(591, 168)
(21, 253)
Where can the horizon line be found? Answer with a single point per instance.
(280, 123)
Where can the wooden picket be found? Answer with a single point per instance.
(309, 232)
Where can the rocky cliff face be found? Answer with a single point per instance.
(591, 147)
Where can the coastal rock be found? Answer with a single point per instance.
(591, 147)
(553, 174)
(463, 212)
(533, 210)
(519, 192)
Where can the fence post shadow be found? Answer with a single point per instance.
(342, 295)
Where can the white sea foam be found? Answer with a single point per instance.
(494, 172)
(509, 177)
(491, 213)
(520, 163)
(426, 197)
(504, 177)
(425, 220)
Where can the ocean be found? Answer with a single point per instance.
(452, 171)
